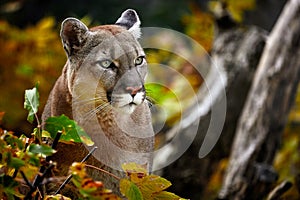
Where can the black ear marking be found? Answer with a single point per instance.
(73, 34)
(130, 20)
(127, 19)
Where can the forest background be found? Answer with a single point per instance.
(31, 52)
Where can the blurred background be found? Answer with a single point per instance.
(31, 51)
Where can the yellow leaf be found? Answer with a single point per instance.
(56, 197)
(78, 169)
(164, 195)
(154, 183)
(46, 23)
(130, 190)
(135, 172)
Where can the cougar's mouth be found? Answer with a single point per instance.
(127, 103)
(108, 96)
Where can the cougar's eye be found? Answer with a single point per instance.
(105, 63)
(139, 60)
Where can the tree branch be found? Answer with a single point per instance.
(265, 113)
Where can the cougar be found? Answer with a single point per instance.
(102, 88)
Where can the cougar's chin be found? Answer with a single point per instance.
(126, 103)
(127, 109)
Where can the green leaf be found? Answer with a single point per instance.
(37, 133)
(31, 103)
(34, 160)
(9, 187)
(130, 190)
(14, 162)
(41, 149)
(69, 128)
(46, 134)
(14, 141)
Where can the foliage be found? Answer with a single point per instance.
(88, 188)
(200, 26)
(19, 156)
(25, 162)
(287, 160)
(71, 132)
(139, 185)
(56, 197)
(27, 55)
(235, 8)
(31, 103)
(175, 92)
(34, 54)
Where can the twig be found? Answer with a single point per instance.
(70, 176)
(26, 180)
(279, 190)
(39, 179)
(39, 137)
(54, 143)
(24, 150)
(89, 154)
(63, 184)
(104, 171)
(56, 139)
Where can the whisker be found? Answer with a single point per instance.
(151, 100)
(91, 100)
(79, 100)
(88, 115)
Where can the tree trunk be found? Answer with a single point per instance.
(250, 173)
(237, 51)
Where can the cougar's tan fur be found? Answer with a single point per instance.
(102, 88)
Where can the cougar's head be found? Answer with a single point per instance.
(107, 60)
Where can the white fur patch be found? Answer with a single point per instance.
(126, 104)
(131, 21)
(135, 30)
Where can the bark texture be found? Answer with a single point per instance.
(265, 113)
(237, 52)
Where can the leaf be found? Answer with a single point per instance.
(56, 197)
(140, 185)
(154, 184)
(130, 190)
(78, 169)
(46, 134)
(135, 172)
(41, 149)
(71, 132)
(31, 103)
(14, 162)
(9, 187)
(133, 167)
(164, 195)
(88, 188)
(13, 141)
(37, 133)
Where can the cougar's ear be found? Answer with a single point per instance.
(130, 20)
(73, 34)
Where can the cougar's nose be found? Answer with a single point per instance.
(134, 90)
